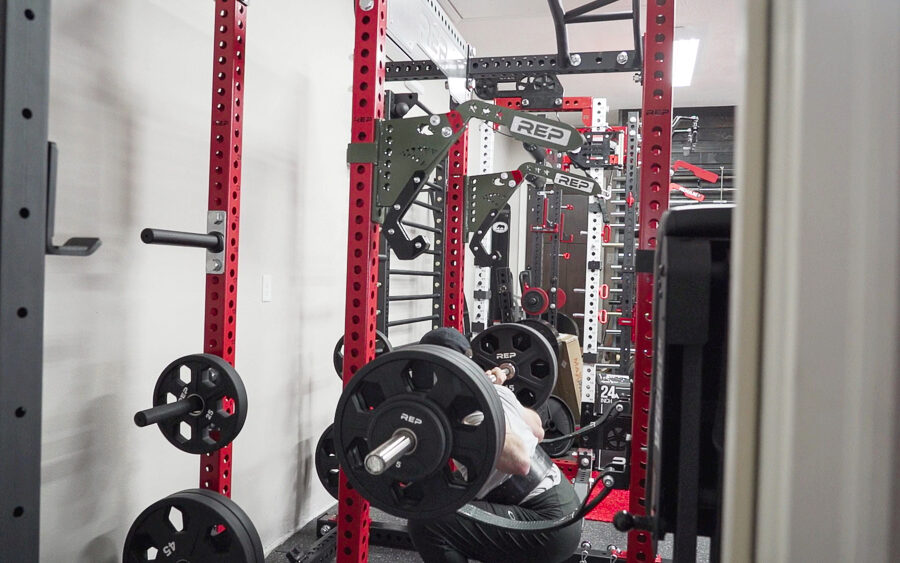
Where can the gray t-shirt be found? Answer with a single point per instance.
(515, 423)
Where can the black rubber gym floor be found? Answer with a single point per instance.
(600, 534)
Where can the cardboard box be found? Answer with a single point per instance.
(568, 384)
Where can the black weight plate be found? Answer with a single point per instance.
(227, 504)
(558, 421)
(615, 438)
(530, 353)
(382, 345)
(192, 527)
(535, 301)
(547, 330)
(212, 379)
(566, 325)
(327, 462)
(449, 387)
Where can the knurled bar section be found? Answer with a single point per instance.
(362, 251)
(454, 248)
(656, 148)
(224, 195)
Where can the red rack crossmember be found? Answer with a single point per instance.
(362, 251)
(656, 155)
(224, 195)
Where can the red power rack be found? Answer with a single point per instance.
(455, 249)
(656, 149)
(224, 195)
(362, 249)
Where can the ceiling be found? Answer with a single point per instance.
(520, 27)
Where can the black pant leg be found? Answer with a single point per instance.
(454, 538)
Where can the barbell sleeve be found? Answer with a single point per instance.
(401, 443)
(213, 242)
(161, 413)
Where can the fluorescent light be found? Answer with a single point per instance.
(683, 58)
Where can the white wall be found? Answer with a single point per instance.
(130, 97)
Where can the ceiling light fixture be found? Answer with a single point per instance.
(684, 57)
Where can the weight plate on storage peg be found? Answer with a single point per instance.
(558, 421)
(435, 405)
(535, 301)
(214, 400)
(529, 352)
(547, 330)
(193, 526)
(327, 462)
(382, 345)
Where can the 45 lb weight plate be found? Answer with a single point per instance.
(402, 419)
(529, 352)
(193, 526)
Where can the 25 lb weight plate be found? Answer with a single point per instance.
(558, 421)
(327, 463)
(193, 526)
(211, 404)
(444, 407)
(530, 354)
(382, 345)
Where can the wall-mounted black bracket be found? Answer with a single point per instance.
(77, 246)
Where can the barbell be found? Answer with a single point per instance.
(418, 431)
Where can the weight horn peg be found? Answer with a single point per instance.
(199, 404)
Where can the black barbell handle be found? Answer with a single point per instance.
(168, 411)
(213, 242)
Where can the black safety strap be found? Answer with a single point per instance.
(478, 515)
(611, 414)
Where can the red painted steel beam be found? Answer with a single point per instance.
(656, 154)
(454, 229)
(362, 251)
(583, 104)
(225, 195)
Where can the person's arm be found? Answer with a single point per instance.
(533, 419)
(513, 458)
(534, 422)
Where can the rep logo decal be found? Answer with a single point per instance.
(538, 130)
(410, 418)
(505, 355)
(574, 182)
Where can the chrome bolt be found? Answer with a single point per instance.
(526, 102)
(608, 481)
(558, 101)
(575, 59)
(366, 5)
(435, 120)
(622, 57)
(446, 132)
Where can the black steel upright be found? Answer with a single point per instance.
(24, 85)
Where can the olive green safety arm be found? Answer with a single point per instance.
(407, 150)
